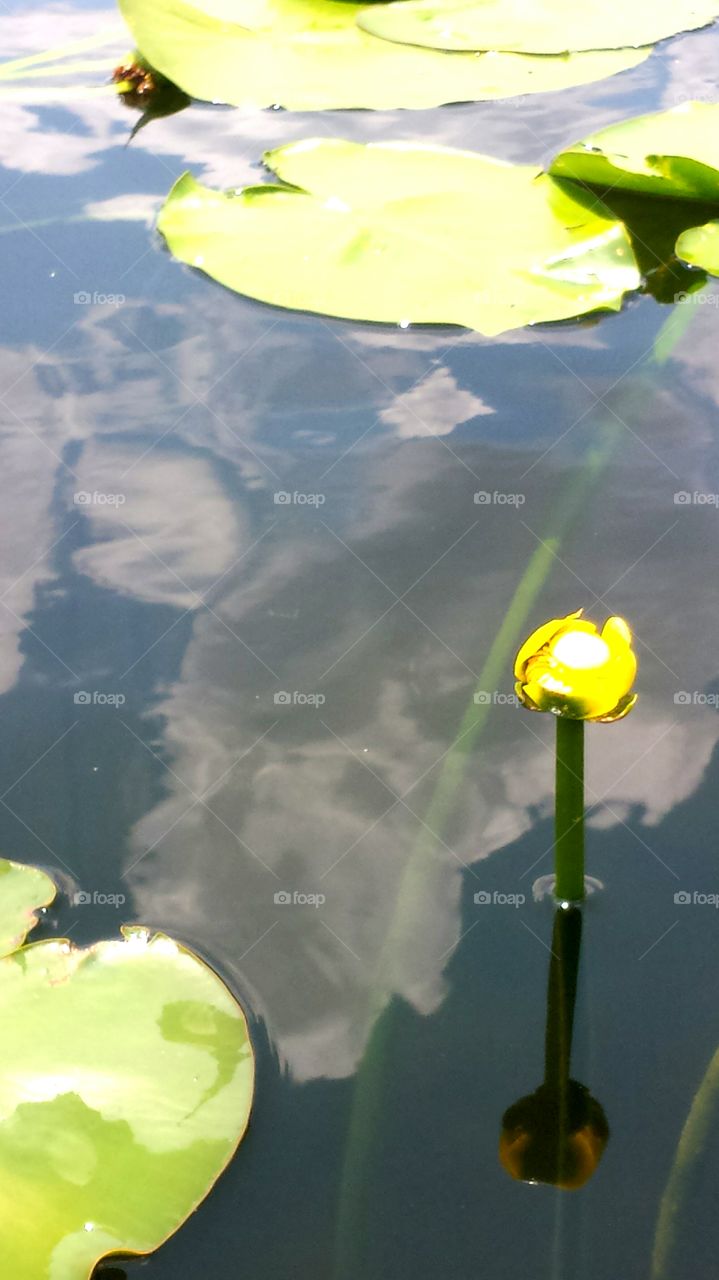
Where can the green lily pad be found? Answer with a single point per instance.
(23, 892)
(699, 246)
(310, 55)
(543, 26)
(671, 153)
(125, 1087)
(397, 232)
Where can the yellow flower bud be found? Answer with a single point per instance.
(569, 667)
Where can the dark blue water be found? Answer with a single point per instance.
(184, 599)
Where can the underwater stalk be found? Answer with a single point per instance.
(685, 1172)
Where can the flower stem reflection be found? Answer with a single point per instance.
(558, 1133)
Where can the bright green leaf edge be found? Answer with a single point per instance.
(310, 55)
(24, 891)
(699, 246)
(401, 233)
(544, 26)
(674, 154)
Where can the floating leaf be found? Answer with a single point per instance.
(398, 232)
(23, 891)
(672, 153)
(699, 246)
(310, 55)
(540, 26)
(125, 1087)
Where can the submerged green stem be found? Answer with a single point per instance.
(569, 811)
(691, 1147)
(17, 67)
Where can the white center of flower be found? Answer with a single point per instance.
(580, 650)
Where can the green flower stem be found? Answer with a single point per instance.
(569, 811)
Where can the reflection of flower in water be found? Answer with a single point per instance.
(558, 1133)
(555, 1136)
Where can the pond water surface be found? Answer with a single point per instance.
(183, 597)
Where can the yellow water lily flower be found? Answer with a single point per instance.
(569, 667)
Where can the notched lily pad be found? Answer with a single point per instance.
(674, 154)
(310, 55)
(541, 26)
(400, 232)
(125, 1087)
(24, 891)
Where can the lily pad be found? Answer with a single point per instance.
(125, 1087)
(670, 153)
(542, 26)
(398, 232)
(699, 246)
(310, 55)
(23, 893)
